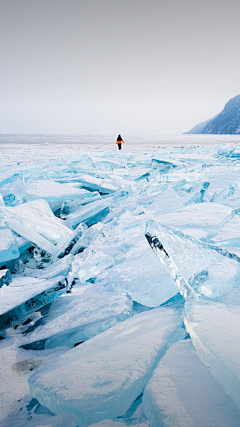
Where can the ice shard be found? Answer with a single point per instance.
(143, 277)
(25, 295)
(36, 238)
(103, 186)
(38, 217)
(122, 233)
(167, 201)
(108, 162)
(196, 194)
(206, 216)
(53, 191)
(90, 235)
(223, 195)
(69, 206)
(199, 270)
(74, 318)
(8, 245)
(61, 267)
(14, 192)
(89, 211)
(23, 244)
(8, 176)
(214, 329)
(163, 165)
(70, 245)
(85, 381)
(232, 198)
(90, 264)
(229, 234)
(182, 392)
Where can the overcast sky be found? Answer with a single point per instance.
(121, 66)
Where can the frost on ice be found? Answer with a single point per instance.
(214, 329)
(107, 263)
(183, 393)
(89, 384)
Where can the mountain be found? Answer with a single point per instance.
(198, 129)
(227, 122)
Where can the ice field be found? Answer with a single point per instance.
(119, 282)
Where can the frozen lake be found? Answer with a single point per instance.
(34, 147)
(119, 281)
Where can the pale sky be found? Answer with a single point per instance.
(116, 66)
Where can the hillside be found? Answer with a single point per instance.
(227, 122)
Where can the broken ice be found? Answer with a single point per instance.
(86, 382)
(143, 278)
(38, 217)
(74, 317)
(214, 329)
(25, 295)
(8, 245)
(182, 392)
(198, 269)
(82, 219)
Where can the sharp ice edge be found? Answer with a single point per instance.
(8, 245)
(185, 290)
(91, 313)
(214, 328)
(24, 296)
(199, 270)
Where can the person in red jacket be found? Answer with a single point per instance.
(119, 142)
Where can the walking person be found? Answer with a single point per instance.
(119, 142)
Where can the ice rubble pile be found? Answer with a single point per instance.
(126, 254)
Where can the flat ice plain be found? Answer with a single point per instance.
(119, 281)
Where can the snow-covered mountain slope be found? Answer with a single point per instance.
(227, 122)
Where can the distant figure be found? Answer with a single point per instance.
(119, 142)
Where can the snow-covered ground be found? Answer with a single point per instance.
(119, 284)
(30, 148)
